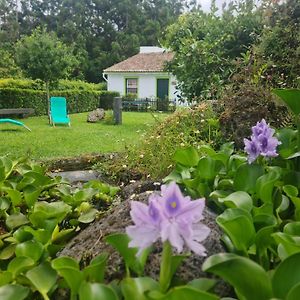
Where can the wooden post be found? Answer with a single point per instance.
(117, 108)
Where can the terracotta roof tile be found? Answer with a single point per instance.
(143, 62)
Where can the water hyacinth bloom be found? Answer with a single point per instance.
(262, 142)
(170, 216)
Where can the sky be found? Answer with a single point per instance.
(206, 4)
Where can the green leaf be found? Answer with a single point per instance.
(188, 157)
(13, 292)
(265, 185)
(31, 249)
(238, 200)
(120, 242)
(19, 264)
(68, 268)
(292, 228)
(16, 220)
(88, 216)
(291, 97)
(4, 203)
(182, 293)
(286, 276)
(7, 252)
(94, 272)
(208, 168)
(247, 277)
(135, 288)
(287, 244)
(31, 195)
(43, 277)
(22, 235)
(96, 291)
(294, 293)
(290, 190)
(203, 284)
(246, 176)
(6, 277)
(238, 225)
(43, 210)
(15, 196)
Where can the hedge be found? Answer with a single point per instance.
(106, 100)
(24, 83)
(78, 100)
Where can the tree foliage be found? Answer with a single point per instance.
(43, 56)
(101, 32)
(206, 46)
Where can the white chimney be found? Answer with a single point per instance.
(151, 49)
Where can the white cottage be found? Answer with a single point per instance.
(143, 74)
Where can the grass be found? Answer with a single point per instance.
(45, 142)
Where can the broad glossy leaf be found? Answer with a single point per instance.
(290, 190)
(6, 277)
(292, 228)
(96, 291)
(65, 262)
(203, 284)
(15, 196)
(43, 277)
(7, 252)
(246, 176)
(135, 288)
(16, 220)
(208, 168)
(265, 185)
(188, 157)
(291, 97)
(20, 264)
(294, 293)
(31, 249)
(88, 216)
(287, 244)
(238, 225)
(94, 272)
(120, 242)
(183, 293)
(248, 278)
(84, 195)
(13, 292)
(286, 276)
(4, 203)
(43, 210)
(68, 268)
(22, 235)
(31, 194)
(238, 199)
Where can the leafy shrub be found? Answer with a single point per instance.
(22, 84)
(244, 105)
(61, 84)
(106, 99)
(153, 155)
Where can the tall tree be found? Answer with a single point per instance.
(43, 56)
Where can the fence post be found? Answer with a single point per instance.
(117, 109)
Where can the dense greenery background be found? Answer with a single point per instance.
(100, 33)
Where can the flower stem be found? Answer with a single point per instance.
(165, 267)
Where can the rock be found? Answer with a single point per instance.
(77, 176)
(96, 115)
(90, 242)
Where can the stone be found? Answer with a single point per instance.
(96, 115)
(91, 241)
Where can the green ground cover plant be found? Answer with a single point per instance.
(187, 126)
(45, 142)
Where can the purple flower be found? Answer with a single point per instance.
(262, 142)
(171, 217)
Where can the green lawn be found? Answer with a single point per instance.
(45, 141)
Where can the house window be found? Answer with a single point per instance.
(131, 86)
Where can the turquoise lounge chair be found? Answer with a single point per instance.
(15, 122)
(58, 111)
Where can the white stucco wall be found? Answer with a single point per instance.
(146, 83)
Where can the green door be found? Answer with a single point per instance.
(162, 94)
